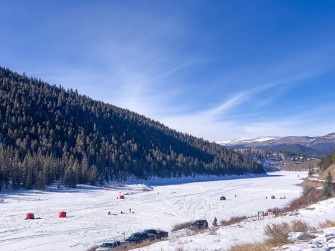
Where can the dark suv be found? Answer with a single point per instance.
(139, 237)
(156, 234)
(199, 224)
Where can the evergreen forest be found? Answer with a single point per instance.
(51, 135)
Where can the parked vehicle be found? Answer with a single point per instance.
(139, 237)
(111, 245)
(199, 224)
(156, 234)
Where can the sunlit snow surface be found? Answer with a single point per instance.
(88, 222)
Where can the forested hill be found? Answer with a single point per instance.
(327, 161)
(51, 134)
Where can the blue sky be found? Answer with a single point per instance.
(214, 69)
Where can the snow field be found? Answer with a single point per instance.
(88, 222)
(252, 230)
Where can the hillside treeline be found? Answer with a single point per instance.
(49, 134)
(327, 161)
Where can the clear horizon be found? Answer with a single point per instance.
(218, 70)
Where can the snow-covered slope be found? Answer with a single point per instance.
(324, 241)
(88, 222)
(252, 230)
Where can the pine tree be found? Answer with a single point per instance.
(328, 186)
(84, 170)
(93, 175)
(310, 170)
(70, 178)
(40, 181)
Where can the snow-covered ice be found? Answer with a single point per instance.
(252, 230)
(88, 222)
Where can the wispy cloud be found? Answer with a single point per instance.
(227, 105)
(220, 123)
(147, 87)
(142, 63)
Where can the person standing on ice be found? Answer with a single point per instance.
(215, 222)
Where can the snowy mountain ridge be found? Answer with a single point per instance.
(316, 145)
(246, 140)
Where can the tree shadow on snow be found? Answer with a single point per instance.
(186, 180)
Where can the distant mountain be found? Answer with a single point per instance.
(50, 134)
(310, 145)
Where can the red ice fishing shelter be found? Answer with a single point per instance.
(121, 196)
(62, 214)
(30, 216)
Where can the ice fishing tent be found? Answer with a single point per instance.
(222, 198)
(30, 216)
(121, 196)
(273, 197)
(62, 214)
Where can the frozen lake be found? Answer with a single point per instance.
(162, 207)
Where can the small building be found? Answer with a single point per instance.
(222, 198)
(62, 214)
(30, 216)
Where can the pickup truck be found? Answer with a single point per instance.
(157, 234)
(200, 224)
(139, 237)
(111, 245)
